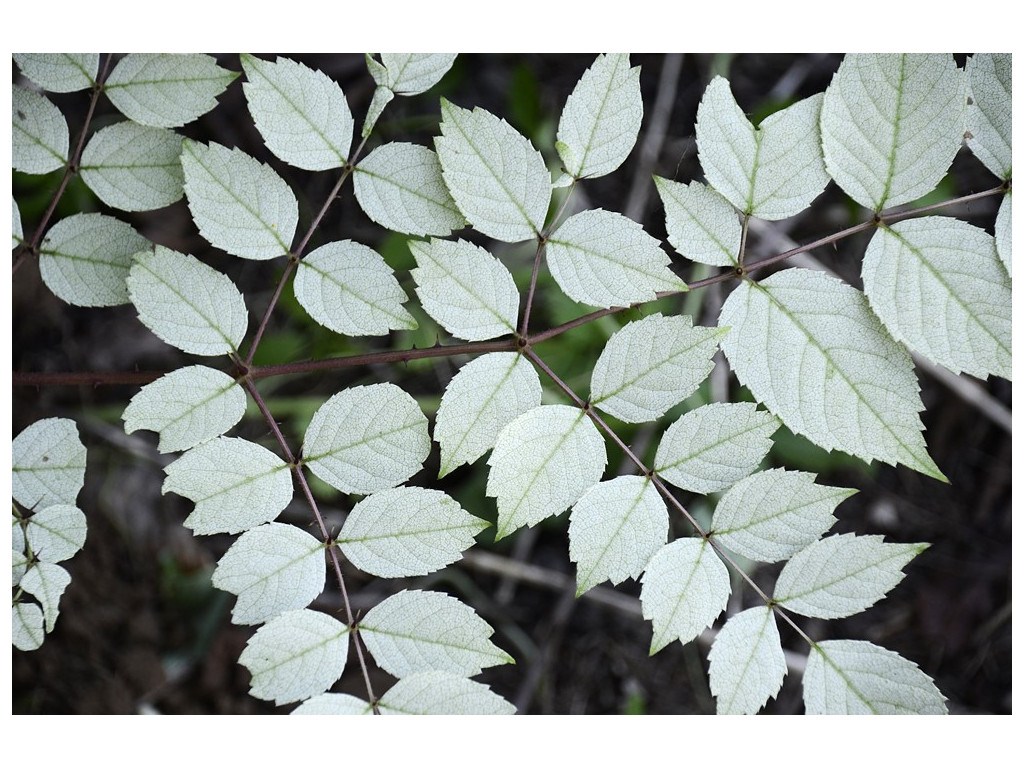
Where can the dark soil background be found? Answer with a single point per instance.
(142, 630)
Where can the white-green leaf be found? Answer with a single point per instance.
(85, 258)
(1004, 231)
(186, 303)
(296, 655)
(808, 347)
(46, 582)
(368, 438)
(382, 96)
(774, 514)
(333, 704)
(700, 223)
(239, 204)
(541, 465)
(166, 90)
(601, 119)
(56, 533)
(938, 285)
(407, 531)
(842, 575)
(442, 693)
(133, 167)
(27, 631)
(349, 288)
(773, 171)
(48, 464)
(18, 540)
(301, 113)
(20, 561)
(652, 364)
(601, 258)
(272, 568)
(685, 587)
(495, 175)
(17, 233)
(484, 397)
(614, 529)
(407, 74)
(399, 186)
(746, 664)
(855, 677)
(712, 447)
(39, 133)
(59, 72)
(186, 407)
(891, 124)
(990, 111)
(235, 484)
(464, 288)
(418, 631)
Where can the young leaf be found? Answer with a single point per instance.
(938, 285)
(27, 631)
(399, 186)
(712, 447)
(132, 167)
(186, 303)
(296, 655)
(186, 407)
(301, 113)
(842, 575)
(235, 484)
(746, 664)
(542, 463)
(85, 258)
(855, 677)
(603, 259)
(990, 111)
(484, 397)
(239, 204)
(891, 124)
(56, 533)
(59, 72)
(773, 171)
(419, 631)
(1004, 231)
(442, 693)
(407, 531)
(408, 74)
(166, 90)
(272, 568)
(685, 587)
(808, 347)
(614, 529)
(46, 582)
(17, 233)
(496, 177)
(652, 364)
(39, 133)
(333, 704)
(601, 119)
(366, 439)
(349, 288)
(48, 464)
(774, 514)
(465, 289)
(700, 223)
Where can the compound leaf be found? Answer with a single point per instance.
(442, 693)
(166, 90)
(48, 464)
(272, 568)
(349, 288)
(700, 223)
(133, 167)
(939, 287)
(842, 575)
(418, 631)
(1004, 231)
(85, 259)
(27, 631)
(333, 704)
(368, 438)
(808, 347)
(56, 533)
(17, 233)
(614, 529)
(891, 124)
(59, 72)
(46, 582)
(20, 560)
(407, 531)
(847, 677)
(186, 303)
(990, 111)
(746, 665)
(407, 74)
(39, 133)
(301, 113)
(235, 484)
(239, 204)
(464, 288)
